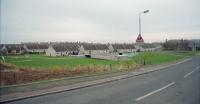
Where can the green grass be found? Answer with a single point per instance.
(188, 53)
(42, 61)
(156, 58)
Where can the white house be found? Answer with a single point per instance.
(145, 47)
(122, 48)
(92, 49)
(62, 49)
(35, 47)
(56, 50)
(3, 50)
(12, 49)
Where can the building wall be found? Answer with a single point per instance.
(51, 52)
(110, 47)
(81, 50)
(34, 50)
(109, 57)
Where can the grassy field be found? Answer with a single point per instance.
(29, 68)
(42, 61)
(156, 58)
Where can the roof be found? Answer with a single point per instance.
(59, 48)
(88, 46)
(32, 46)
(43, 46)
(14, 47)
(72, 47)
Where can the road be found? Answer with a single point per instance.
(179, 84)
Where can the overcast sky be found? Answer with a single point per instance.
(98, 20)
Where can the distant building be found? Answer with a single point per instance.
(90, 48)
(56, 50)
(147, 47)
(3, 49)
(63, 49)
(194, 44)
(35, 47)
(122, 48)
(176, 44)
(11, 49)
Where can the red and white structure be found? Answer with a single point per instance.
(139, 39)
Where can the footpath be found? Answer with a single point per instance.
(24, 91)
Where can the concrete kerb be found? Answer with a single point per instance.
(84, 84)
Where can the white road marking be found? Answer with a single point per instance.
(185, 76)
(156, 91)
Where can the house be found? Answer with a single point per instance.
(147, 47)
(176, 44)
(3, 49)
(14, 49)
(35, 47)
(72, 48)
(62, 49)
(91, 49)
(194, 44)
(99, 51)
(56, 50)
(43, 47)
(157, 46)
(122, 48)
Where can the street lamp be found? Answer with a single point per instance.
(143, 12)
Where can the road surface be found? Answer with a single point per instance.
(179, 84)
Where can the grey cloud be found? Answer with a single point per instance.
(97, 19)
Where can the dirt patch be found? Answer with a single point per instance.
(10, 74)
(6, 66)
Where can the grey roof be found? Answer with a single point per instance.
(35, 46)
(59, 48)
(43, 46)
(14, 47)
(32, 46)
(91, 46)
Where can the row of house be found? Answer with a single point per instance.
(11, 49)
(62, 49)
(88, 49)
(35, 48)
(182, 44)
(23, 48)
(73, 48)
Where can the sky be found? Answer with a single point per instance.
(106, 21)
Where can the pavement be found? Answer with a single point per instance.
(177, 83)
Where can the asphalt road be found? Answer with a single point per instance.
(179, 84)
